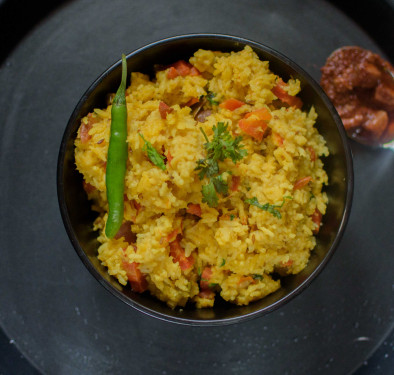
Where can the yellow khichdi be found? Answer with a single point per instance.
(238, 197)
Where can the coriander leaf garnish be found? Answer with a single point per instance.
(210, 96)
(223, 262)
(152, 153)
(257, 276)
(271, 208)
(232, 217)
(220, 185)
(207, 167)
(222, 146)
(209, 195)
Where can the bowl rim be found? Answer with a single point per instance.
(207, 322)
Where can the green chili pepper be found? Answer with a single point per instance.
(117, 157)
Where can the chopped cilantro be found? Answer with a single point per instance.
(271, 208)
(222, 146)
(220, 185)
(207, 167)
(210, 97)
(209, 195)
(232, 217)
(212, 285)
(257, 276)
(152, 153)
(223, 262)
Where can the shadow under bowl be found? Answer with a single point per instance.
(78, 217)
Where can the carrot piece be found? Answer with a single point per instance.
(262, 114)
(231, 104)
(283, 95)
(205, 277)
(172, 73)
(136, 278)
(169, 157)
(235, 181)
(312, 153)
(316, 218)
(164, 110)
(178, 254)
(254, 128)
(172, 235)
(299, 184)
(278, 139)
(194, 209)
(194, 71)
(244, 281)
(191, 102)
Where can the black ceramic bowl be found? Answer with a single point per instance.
(78, 217)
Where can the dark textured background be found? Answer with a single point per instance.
(18, 17)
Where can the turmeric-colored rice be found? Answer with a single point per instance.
(172, 243)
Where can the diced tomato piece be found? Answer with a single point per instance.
(136, 278)
(194, 71)
(137, 206)
(312, 153)
(299, 184)
(191, 102)
(178, 254)
(164, 110)
(169, 157)
(84, 132)
(206, 293)
(254, 128)
(282, 95)
(278, 139)
(88, 187)
(194, 209)
(182, 67)
(262, 114)
(85, 128)
(172, 73)
(316, 218)
(231, 104)
(205, 277)
(172, 235)
(125, 232)
(235, 181)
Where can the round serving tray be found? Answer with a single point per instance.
(54, 311)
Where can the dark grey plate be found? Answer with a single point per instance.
(53, 309)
